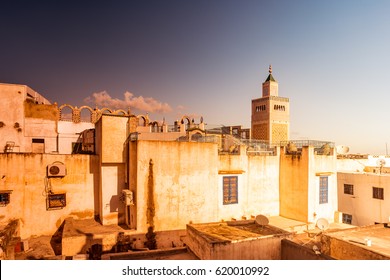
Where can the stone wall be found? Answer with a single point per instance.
(25, 175)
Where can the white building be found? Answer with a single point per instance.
(363, 189)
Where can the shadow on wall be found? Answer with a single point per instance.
(56, 240)
(114, 203)
(94, 170)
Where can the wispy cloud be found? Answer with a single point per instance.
(147, 104)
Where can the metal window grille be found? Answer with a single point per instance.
(230, 190)
(323, 189)
(348, 189)
(56, 201)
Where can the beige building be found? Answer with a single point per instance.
(363, 189)
(27, 121)
(270, 119)
(308, 181)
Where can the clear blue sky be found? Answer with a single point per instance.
(209, 58)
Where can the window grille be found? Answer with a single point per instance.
(230, 190)
(323, 189)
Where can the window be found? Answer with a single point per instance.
(377, 193)
(323, 189)
(38, 146)
(230, 189)
(56, 201)
(260, 108)
(348, 189)
(347, 219)
(5, 198)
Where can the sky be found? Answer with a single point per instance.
(210, 58)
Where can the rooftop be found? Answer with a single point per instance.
(235, 231)
(375, 238)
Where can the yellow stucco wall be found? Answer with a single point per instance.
(184, 183)
(299, 185)
(111, 135)
(25, 175)
(113, 138)
(294, 185)
(187, 184)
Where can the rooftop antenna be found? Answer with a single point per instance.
(380, 163)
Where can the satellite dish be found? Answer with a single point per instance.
(342, 150)
(380, 162)
(316, 250)
(262, 220)
(322, 224)
(291, 148)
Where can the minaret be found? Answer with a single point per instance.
(270, 114)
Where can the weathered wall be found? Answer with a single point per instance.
(299, 185)
(321, 165)
(343, 250)
(294, 180)
(26, 176)
(184, 183)
(12, 97)
(365, 209)
(112, 184)
(187, 184)
(263, 185)
(294, 251)
(40, 129)
(24, 115)
(262, 248)
(68, 132)
(258, 185)
(111, 135)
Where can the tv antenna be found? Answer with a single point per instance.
(380, 163)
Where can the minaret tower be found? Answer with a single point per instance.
(270, 114)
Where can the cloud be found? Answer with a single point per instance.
(147, 104)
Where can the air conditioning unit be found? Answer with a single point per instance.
(127, 196)
(56, 170)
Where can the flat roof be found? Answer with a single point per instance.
(235, 231)
(379, 235)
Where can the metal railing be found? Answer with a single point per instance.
(320, 147)
(258, 147)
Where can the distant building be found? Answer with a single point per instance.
(27, 121)
(364, 189)
(270, 119)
